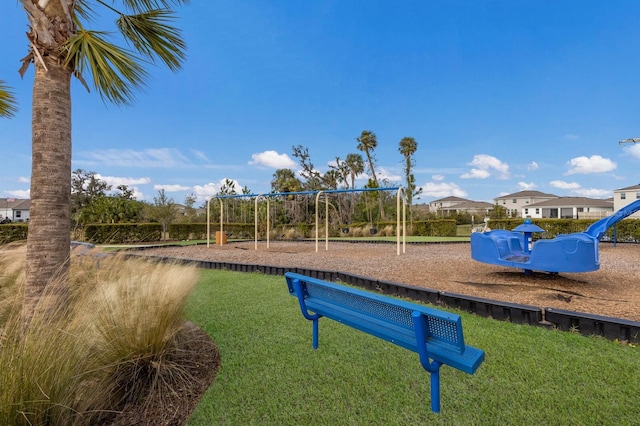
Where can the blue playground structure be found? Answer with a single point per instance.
(576, 252)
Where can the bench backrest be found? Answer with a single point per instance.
(385, 317)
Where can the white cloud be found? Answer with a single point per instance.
(208, 190)
(23, 179)
(442, 189)
(201, 155)
(526, 186)
(116, 180)
(437, 178)
(386, 175)
(594, 193)
(633, 150)
(22, 194)
(533, 166)
(171, 188)
(483, 165)
(587, 165)
(560, 184)
(272, 159)
(571, 137)
(476, 174)
(161, 157)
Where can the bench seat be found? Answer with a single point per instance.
(435, 335)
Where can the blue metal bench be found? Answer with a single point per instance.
(435, 335)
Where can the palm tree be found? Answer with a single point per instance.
(355, 164)
(7, 101)
(61, 46)
(367, 142)
(407, 147)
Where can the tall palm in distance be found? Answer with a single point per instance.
(407, 147)
(62, 46)
(355, 165)
(367, 143)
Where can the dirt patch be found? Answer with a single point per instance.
(612, 291)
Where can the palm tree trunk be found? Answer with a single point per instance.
(375, 179)
(48, 241)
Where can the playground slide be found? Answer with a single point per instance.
(577, 252)
(599, 228)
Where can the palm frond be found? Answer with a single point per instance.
(116, 72)
(7, 101)
(144, 5)
(83, 9)
(152, 37)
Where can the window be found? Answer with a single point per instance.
(637, 195)
(537, 211)
(515, 200)
(18, 213)
(623, 196)
(526, 211)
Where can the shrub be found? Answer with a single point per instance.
(113, 344)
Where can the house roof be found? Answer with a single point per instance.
(574, 202)
(628, 188)
(15, 203)
(526, 194)
(450, 199)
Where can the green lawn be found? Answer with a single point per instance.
(270, 374)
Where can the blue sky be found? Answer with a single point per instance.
(501, 96)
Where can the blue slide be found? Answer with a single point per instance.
(576, 252)
(599, 228)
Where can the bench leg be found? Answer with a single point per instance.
(315, 333)
(297, 286)
(435, 390)
(433, 367)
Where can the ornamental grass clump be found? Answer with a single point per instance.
(114, 344)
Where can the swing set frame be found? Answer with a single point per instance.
(401, 225)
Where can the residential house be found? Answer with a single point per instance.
(625, 196)
(453, 205)
(516, 202)
(569, 208)
(14, 209)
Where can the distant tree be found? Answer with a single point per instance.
(227, 188)
(498, 212)
(309, 172)
(85, 187)
(189, 209)
(408, 147)
(342, 171)
(285, 180)
(7, 101)
(331, 179)
(367, 143)
(125, 192)
(163, 210)
(355, 164)
(112, 209)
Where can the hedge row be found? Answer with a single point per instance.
(627, 230)
(11, 232)
(118, 233)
